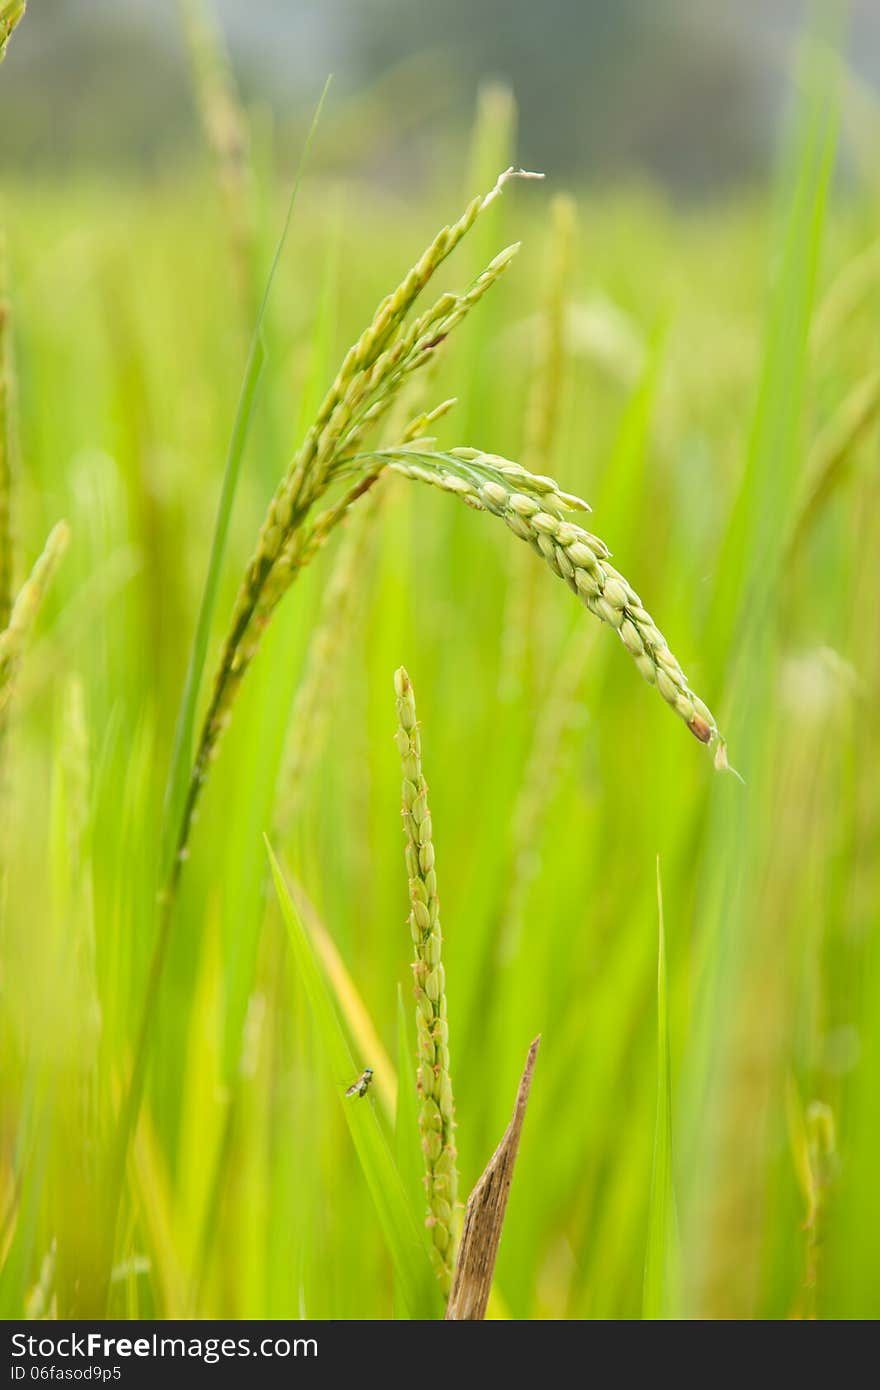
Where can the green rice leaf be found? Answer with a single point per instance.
(181, 757)
(414, 1280)
(660, 1295)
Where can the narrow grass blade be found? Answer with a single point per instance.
(155, 1205)
(182, 753)
(751, 559)
(747, 636)
(660, 1296)
(349, 1003)
(414, 1278)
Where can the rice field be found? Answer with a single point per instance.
(210, 902)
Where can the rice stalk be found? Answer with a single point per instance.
(11, 15)
(661, 1288)
(369, 380)
(6, 447)
(25, 609)
(76, 1102)
(537, 511)
(75, 778)
(176, 796)
(226, 133)
(434, 1083)
(543, 414)
(308, 720)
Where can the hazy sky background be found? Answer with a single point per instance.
(688, 91)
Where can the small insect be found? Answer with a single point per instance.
(362, 1085)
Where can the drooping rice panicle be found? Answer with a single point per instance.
(537, 511)
(25, 610)
(436, 1108)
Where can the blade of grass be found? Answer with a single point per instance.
(659, 1297)
(406, 1124)
(415, 1282)
(349, 1002)
(745, 622)
(179, 780)
(181, 758)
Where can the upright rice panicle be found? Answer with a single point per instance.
(436, 1112)
(370, 378)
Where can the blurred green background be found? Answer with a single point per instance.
(704, 255)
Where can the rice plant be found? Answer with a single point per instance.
(436, 1108)
(181, 1016)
